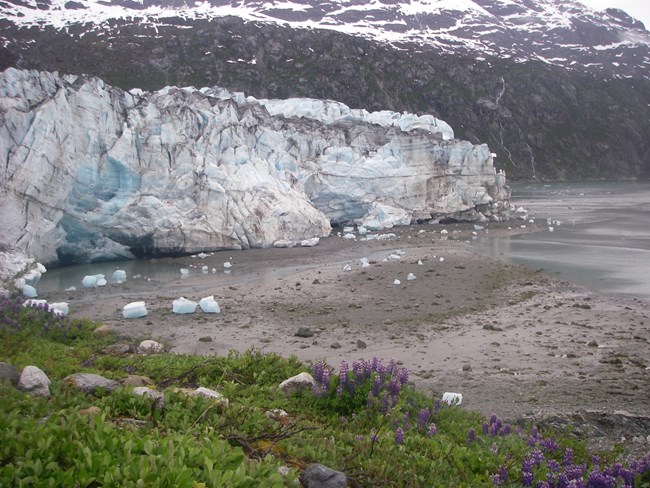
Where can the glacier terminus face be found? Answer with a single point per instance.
(94, 172)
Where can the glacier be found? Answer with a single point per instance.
(92, 172)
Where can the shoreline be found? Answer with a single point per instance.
(512, 340)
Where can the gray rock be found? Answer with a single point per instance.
(148, 392)
(208, 393)
(467, 367)
(150, 347)
(319, 476)
(361, 344)
(136, 380)
(304, 332)
(116, 349)
(34, 381)
(91, 383)
(300, 382)
(335, 345)
(9, 373)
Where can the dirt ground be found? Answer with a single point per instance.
(513, 341)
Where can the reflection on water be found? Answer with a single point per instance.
(603, 242)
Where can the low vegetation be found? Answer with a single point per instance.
(362, 418)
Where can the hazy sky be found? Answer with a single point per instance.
(639, 9)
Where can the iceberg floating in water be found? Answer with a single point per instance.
(134, 310)
(183, 306)
(209, 305)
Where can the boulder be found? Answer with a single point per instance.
(9, 373)
(319, 476)
(208, 393)
(91, 383)
(136, 380)
(300, 382)
(34, 381)
(148, 392)
(150, 347)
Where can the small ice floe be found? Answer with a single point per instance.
(550, 228)
(474, 233)
(214, 270)
(227, 265)
(183, 306)
(362, 231)
(29, 291)
(34, 303)
(364, 262)
(118, 276)
(347, 267)
(209, 305)
(350, 237)
(72, 288)
(399, 252)
(93, 281)
(348, 229)
(420, 263)
(421, 231)
(441, 260)
(202, 255)
(310, 242)
(521, 210)
(185, 273)
(134, 310)
(397, 282)
(522, 226)
(394, 257)
(452, 398)
(60, 308)
(531, 221)
(478, 227)
(444, 231)
(205, 269)
(410, 277)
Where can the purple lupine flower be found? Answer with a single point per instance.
(423, 418)
(537, 457)
(394, 387)
(568, 456)
(436, 406)
(506, 430)
(504, 473)
(494, 448)
(527, 478)
(486, 428)
(496, 480)
(406, 423)
(549, 444)
(432, 429)
(553, 465)
(399, 436)
(471, 436)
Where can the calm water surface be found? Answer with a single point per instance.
(602, 241)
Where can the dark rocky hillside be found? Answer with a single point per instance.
(543, 121)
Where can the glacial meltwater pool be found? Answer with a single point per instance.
(602, 241)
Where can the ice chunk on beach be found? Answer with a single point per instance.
(310, 242)
(394, 257)
(452, 398)
(350, 237)
(205, 270)
(59, 308)
(347, 267)
(364, 262)
(183, 305)
(550, 229)
(34, 303)
(134, 310)
(202, 255)
(92, 281)
(348, 230)
(362, 231)
(420, 263)
(29, 291)
(441, 260)
(209, 305)
(444, 231)
(119, 276)
(397, 282)
(227, 265)
(72, 288)
(410, 277)
(185, 272)
(478, 227)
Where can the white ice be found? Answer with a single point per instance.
(134, 310)
(209, 305)
(183, 306)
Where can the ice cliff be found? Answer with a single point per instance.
(93, 172)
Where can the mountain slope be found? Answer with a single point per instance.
(557, 90)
